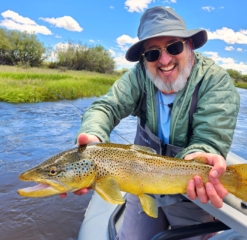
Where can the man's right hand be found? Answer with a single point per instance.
(82, 140)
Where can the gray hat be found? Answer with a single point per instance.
(159, 22)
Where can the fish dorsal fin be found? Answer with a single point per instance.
(143, 148)
(109, 190)
(82, 148)
(201, 159)
(149, 205)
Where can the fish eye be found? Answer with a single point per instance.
(53, 171)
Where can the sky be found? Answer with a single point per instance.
(113, 24)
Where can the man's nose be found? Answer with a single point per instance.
(165, 58)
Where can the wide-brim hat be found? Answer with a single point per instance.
(160, 22)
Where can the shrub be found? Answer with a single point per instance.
(83, 57)
(20, 48)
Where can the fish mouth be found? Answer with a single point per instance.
(44, 188)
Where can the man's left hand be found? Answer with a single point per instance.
(213, 190)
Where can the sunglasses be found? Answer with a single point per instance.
(173, 49)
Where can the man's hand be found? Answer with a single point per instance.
(86, 139)
(82, 140)
(212, 191)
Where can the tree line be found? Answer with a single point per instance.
(237, 76)
(24, 49)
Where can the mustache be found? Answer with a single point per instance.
(172, 62)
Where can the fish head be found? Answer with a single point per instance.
(65, 172)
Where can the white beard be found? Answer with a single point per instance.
(171, 86)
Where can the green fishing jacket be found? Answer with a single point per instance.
(214, 119)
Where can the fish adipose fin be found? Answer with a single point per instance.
(149, 205)
(109, 190)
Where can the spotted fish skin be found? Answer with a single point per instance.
(141, 171)
(111, 168)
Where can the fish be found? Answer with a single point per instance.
(111, 168)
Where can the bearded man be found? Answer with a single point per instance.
(186, 105)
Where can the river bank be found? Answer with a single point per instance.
(41, 84)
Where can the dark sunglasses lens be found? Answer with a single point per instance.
(152, 55)
(175, 48)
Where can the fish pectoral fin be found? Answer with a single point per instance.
(109, 190)
(143, 148)
(149, 205)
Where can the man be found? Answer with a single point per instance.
(187, 106)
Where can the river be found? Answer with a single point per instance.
(30, 133)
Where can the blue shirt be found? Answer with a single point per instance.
(164, 116)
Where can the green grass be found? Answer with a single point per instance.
(241, 85)
(32, 76)
(41, 84)
(38, 85)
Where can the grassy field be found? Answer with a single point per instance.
(37, 84)
(241, 84)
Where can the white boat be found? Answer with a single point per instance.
(103, 220)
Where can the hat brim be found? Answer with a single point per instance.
(198, 36)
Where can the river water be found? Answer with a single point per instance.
(30, 133)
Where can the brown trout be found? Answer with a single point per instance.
(111, 168)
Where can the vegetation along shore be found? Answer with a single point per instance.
(38, 84)
(20, 84)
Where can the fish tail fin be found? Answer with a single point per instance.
(235, 180)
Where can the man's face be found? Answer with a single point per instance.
(169, 73)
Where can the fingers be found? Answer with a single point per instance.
(82, 191)
(219, 167)
(220, 190)
(63, 195)
(191, 190)
(214, 198)
(210, 192)
(79, 192)
(200, 190)
(86, 138)
(192, 155)
(195, 188)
